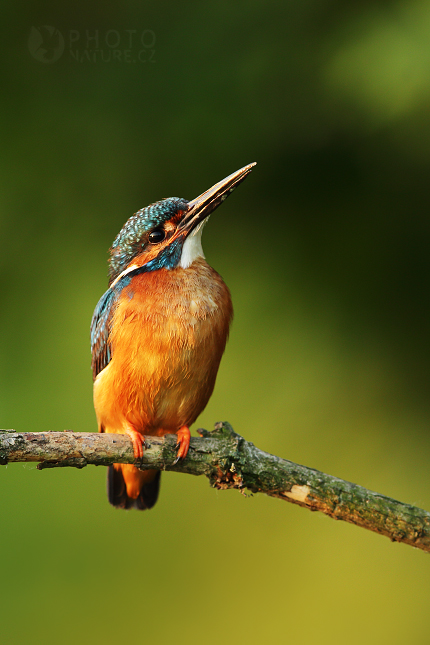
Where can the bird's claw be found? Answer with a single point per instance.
(183, 443)
(138, 441)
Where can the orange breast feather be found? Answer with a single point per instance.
(168, 335)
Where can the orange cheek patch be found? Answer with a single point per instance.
(146, 256)
(174, 221)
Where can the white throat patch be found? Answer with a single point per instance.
(192, 248)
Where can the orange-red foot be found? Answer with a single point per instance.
(183, 442)
(137, 440)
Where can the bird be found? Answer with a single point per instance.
(158, 333)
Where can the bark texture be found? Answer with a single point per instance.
(229, 462)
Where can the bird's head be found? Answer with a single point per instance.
(167, 234)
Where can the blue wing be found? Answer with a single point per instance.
(100, 327)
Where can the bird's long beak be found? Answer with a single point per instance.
(201, 207)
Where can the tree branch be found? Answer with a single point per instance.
(229, 462)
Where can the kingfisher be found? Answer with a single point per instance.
(158, 333)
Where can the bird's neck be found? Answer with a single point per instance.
(192, 248)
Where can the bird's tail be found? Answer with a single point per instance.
(129, 487)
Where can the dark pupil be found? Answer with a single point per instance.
(156, 236)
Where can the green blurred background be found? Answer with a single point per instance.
(326, 250)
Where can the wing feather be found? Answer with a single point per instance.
(100, 328)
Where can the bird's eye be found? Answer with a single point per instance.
(157, 236)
